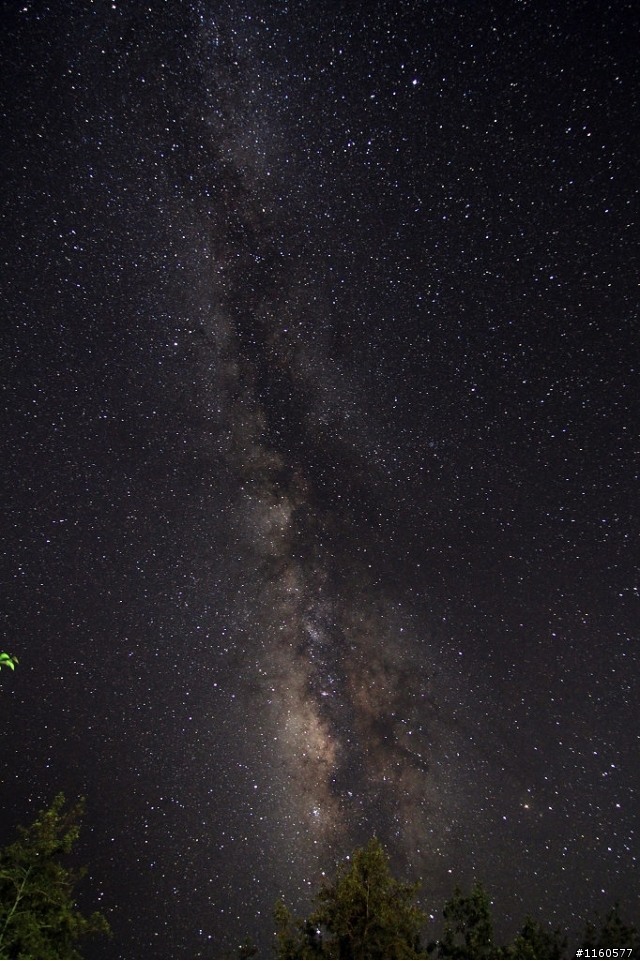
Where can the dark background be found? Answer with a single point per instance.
(320, 406)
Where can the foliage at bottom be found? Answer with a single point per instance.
(366, 913)
(38, 913)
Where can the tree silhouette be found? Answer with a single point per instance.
(38, 914)
(364, 913)
(612, 933)
(468, 929)
(534, 941)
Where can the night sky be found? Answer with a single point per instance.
(320, 401)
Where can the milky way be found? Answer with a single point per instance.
(320, 405)
(340, 671)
